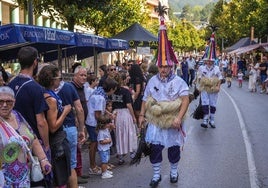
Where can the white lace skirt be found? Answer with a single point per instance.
(126, 135)
(166, 137)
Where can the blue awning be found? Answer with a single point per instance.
(87, 45)
(49, 41)
(14, 36)
(117, 44)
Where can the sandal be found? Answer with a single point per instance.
(110, 166)
(95, 171)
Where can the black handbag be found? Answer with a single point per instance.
(196, 92)
(198, 112)
(57, 144)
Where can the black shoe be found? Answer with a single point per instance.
(154, 183)
(121, 161)
(84, 176)
(81, 180)
(204, 125)
(212, 125)
(174, 179)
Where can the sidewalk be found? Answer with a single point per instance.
(96, 179)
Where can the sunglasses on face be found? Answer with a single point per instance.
(113, 69)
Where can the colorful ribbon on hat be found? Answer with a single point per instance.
(210, 53)
(166, 56)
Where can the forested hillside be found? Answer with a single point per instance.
(178, 4)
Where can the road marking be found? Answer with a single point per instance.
(250, 158)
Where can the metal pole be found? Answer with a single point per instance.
(60, 58)
(30, 12)
(222, 45)
(95, 61)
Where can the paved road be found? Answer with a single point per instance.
(234, 155)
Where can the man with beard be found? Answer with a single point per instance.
(30, 101)
(167, 129)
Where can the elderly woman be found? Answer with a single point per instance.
(15, 132)
(49, 77)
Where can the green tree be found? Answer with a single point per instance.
(67, 11)
(186, 12)
(206, 12)
(115, 17)
(196, 11)
(235, 19)
(185, 37)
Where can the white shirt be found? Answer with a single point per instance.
(168, 91)
(104, 134)
(209, 72)
(240, 76)
(88, 92)
(191, 63)
(95, 103)
(224, 63)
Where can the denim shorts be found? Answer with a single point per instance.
(72, 138)
(92, 133)
(263, 78)
(104, 156)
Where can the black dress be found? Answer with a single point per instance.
(60, 150)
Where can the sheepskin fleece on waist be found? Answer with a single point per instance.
(162, 113)
(209, 84)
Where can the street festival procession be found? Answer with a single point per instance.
(144, 93)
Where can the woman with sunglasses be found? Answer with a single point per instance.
(49, 77)
(111, 69)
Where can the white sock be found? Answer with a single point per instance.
(212, 118)
(156, 169)
(205, 119)
(174, 169)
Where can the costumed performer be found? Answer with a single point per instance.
(210, 79)
(164, 93)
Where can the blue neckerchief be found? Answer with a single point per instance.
(167, 79)
(100, 91)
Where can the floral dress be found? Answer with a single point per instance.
(13, 154)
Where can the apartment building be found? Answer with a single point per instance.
(151, 4)
(10, 12)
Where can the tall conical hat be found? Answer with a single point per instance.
(210, 52)
(165, 53)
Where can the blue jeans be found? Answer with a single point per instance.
(72, 138)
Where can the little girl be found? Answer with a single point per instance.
(252, 81)
(104, 143)
(229, 73)
(112, 114)
(240, 78)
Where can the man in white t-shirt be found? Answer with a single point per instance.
(191, 65)
(224, 65)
